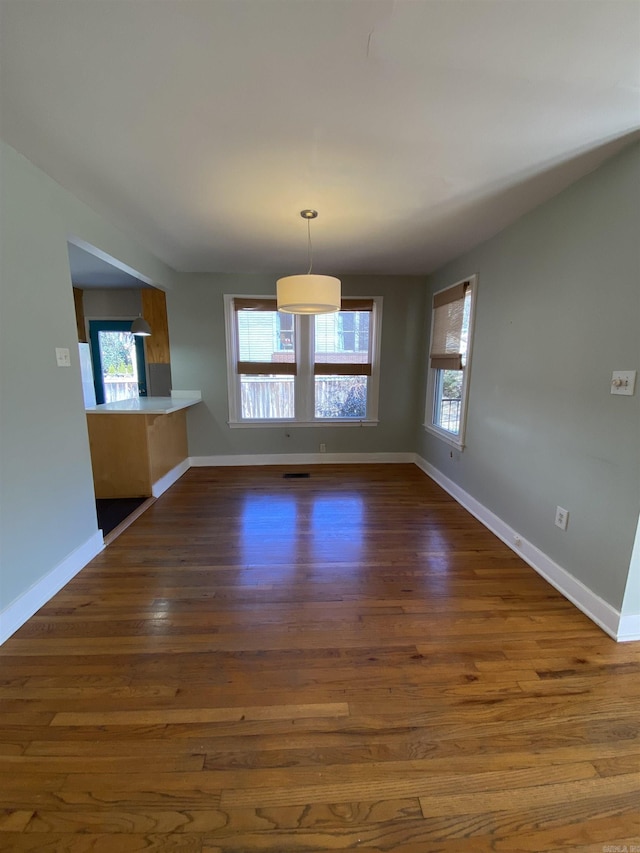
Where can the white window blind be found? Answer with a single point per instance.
(263, 348)
(343, 340)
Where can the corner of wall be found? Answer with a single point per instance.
(622, 628)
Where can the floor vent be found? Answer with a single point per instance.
(296, 475)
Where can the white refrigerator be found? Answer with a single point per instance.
(86, 369)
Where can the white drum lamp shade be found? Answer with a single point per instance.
(308, 294)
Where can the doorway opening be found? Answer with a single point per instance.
(119, 371)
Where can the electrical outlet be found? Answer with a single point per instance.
(323, 448)
(517, 541)
(562, 518)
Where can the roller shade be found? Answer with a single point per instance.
(448, 314)
(356, 305)
(255, 304)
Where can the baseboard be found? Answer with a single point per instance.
(161, 485)
(299, 459)
(622, 629)
(23, 608)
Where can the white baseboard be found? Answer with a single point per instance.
(161, 485)
(23, 608)
(621, 628)
(299, 459)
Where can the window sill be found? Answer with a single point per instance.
(447, 437)
(296, 424)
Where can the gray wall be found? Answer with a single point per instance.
(198, 359)
(558, 310)
(47, 507)
(102, 304)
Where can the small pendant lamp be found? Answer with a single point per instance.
(140, 327)
(310, 293)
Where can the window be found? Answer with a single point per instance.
(342, 361)
(117, 358)
(450, 361)
(302, 369)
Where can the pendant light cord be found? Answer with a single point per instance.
(309, 246)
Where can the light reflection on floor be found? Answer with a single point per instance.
(336, 528)
(269, 531)
(279, 531)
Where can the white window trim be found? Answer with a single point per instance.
(304, 399)
(290, 424)
(457, 441)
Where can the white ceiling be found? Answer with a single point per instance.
(416, 128)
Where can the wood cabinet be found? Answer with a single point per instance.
(130, 452)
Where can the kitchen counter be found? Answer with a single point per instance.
(138, 446)
(145, 406)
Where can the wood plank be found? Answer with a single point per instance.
(529, 796)
(200, 715)
(154, 311)
(404, 785)
(90, 843)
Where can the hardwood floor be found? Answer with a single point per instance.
(345, 662)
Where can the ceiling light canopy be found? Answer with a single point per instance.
(310, 293)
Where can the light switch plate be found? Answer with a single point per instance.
(63, 357)
(623, 382)
(562, 517)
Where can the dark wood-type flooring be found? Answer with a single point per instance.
(345, 662)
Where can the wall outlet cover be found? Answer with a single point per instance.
(63, 357)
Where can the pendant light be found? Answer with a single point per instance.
(310, 293)
(140, 327)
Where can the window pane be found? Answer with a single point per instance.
(464, 340)
(267, 396)
(265, 336)
(341, 397)
(285, 330)
(342, 338)
(448, 400)
(119, 365)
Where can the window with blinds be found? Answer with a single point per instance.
(264, 345)
(265, 359)
(449, 360)
(303, 369)
(343, 360)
